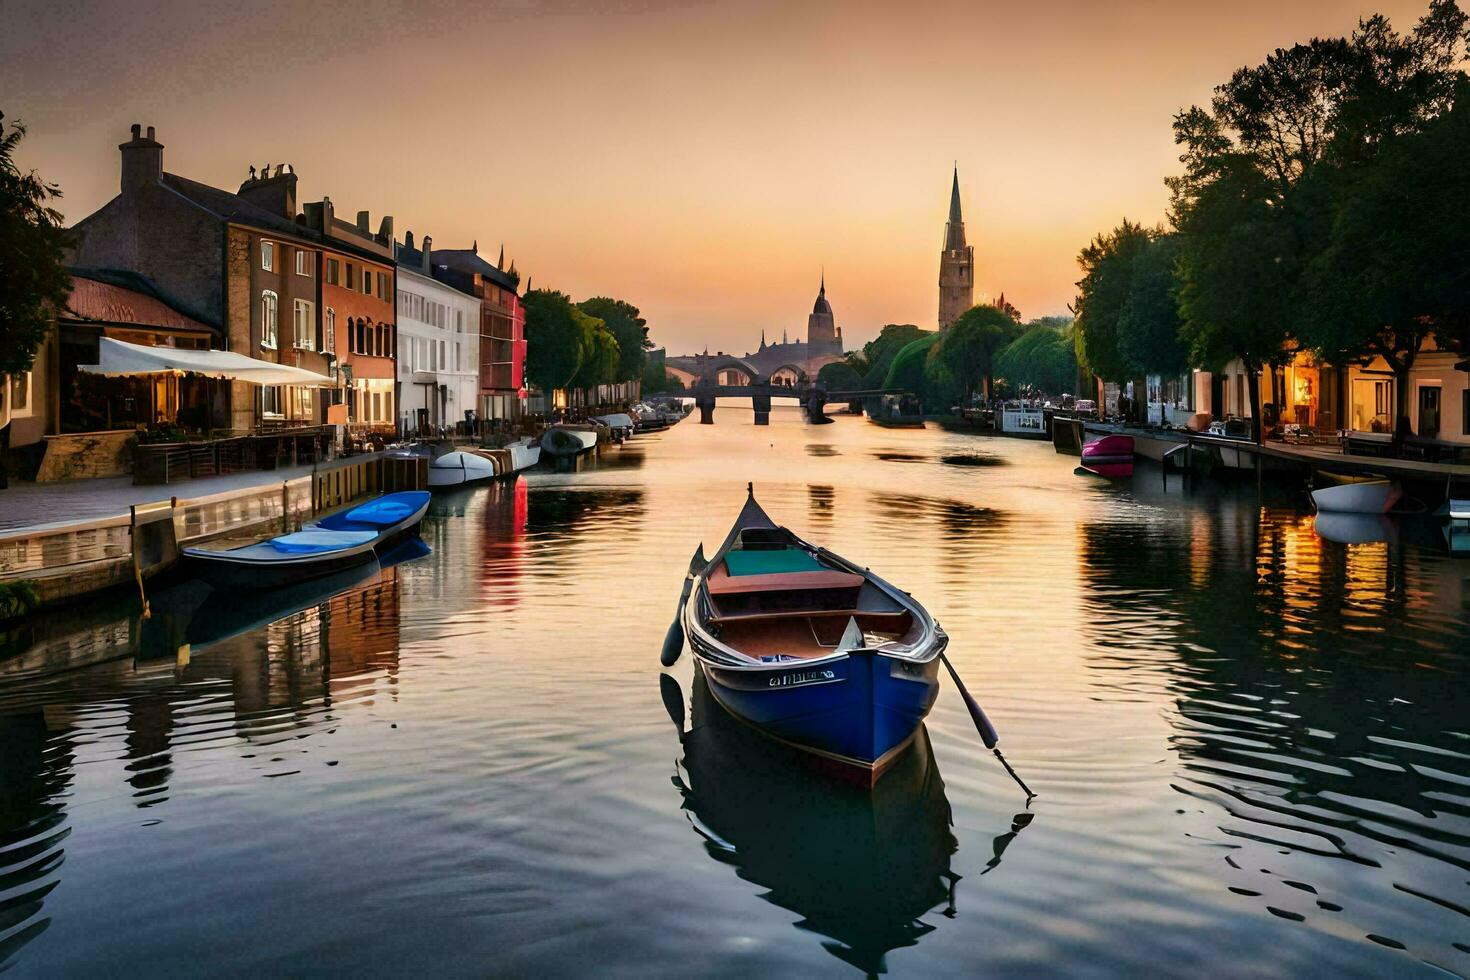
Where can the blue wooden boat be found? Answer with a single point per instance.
(341, 541)
(811, 649)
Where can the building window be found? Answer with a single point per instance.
(300, 404)
(350, 273)
(329, 332)
(269, 324)
(304, 326)
(303, 262)
(334, 271)
(20, 394)
(367, 281)
(268, 256)
(270, 400)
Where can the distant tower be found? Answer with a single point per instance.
(822, 336)
(956, 264)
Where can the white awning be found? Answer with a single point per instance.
(120, 359)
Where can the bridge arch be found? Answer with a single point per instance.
(789, 375)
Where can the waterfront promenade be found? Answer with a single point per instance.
(38, 505)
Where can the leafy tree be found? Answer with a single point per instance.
(630, 329)
(600, 353)
(555, 338)
(656, 379)
(840, 376)
(1236, 276)
(1148, 326)
(882, 349)
(1043, 357)
(907, 367)
(1393, 271)
(1103, 291)
(970, 344)
(35, 284)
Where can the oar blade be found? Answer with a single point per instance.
(673, 644)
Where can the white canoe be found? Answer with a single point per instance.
(1459, 510)
(458, 469)
(1367, 497)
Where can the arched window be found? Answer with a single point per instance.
(329, 338)
(270, 326)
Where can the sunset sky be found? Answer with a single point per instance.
(702, 160)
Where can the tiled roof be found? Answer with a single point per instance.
(107, 302)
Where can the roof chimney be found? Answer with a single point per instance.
(362, 223)
(142, 160)
(408, 240)
(426, 262)
(275, 192)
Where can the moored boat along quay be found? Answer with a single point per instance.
(60, 542)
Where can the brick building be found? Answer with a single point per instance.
(260, 275)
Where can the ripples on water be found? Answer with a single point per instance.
(1252, 745)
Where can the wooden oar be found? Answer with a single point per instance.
(988, 734)
(674, 640)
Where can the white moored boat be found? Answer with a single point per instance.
(1358, 497)
(563, 441)
(460, 469)
(523, 455)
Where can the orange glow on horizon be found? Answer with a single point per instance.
(702, 160)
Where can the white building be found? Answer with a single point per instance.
(438, 345)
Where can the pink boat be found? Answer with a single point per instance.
(1110, 456)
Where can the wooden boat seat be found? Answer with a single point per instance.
(839, 615)
(805, 636)
(721, 582)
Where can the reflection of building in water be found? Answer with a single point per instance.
(1305, 684)
(504, 553)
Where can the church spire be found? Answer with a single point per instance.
(954, 230)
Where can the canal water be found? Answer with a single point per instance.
(1251, 745)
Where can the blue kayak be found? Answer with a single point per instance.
(811, 649)
(333, 544)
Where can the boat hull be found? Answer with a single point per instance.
(1371, 497)
(858, 711)
(563, 443)
(226, 575)
(460, 469)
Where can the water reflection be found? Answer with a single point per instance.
(821, 504)
(1317, 716)
(251, 686)
(860, 868)
(34, 776)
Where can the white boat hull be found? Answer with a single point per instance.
(458, 469)
(1369, 497)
